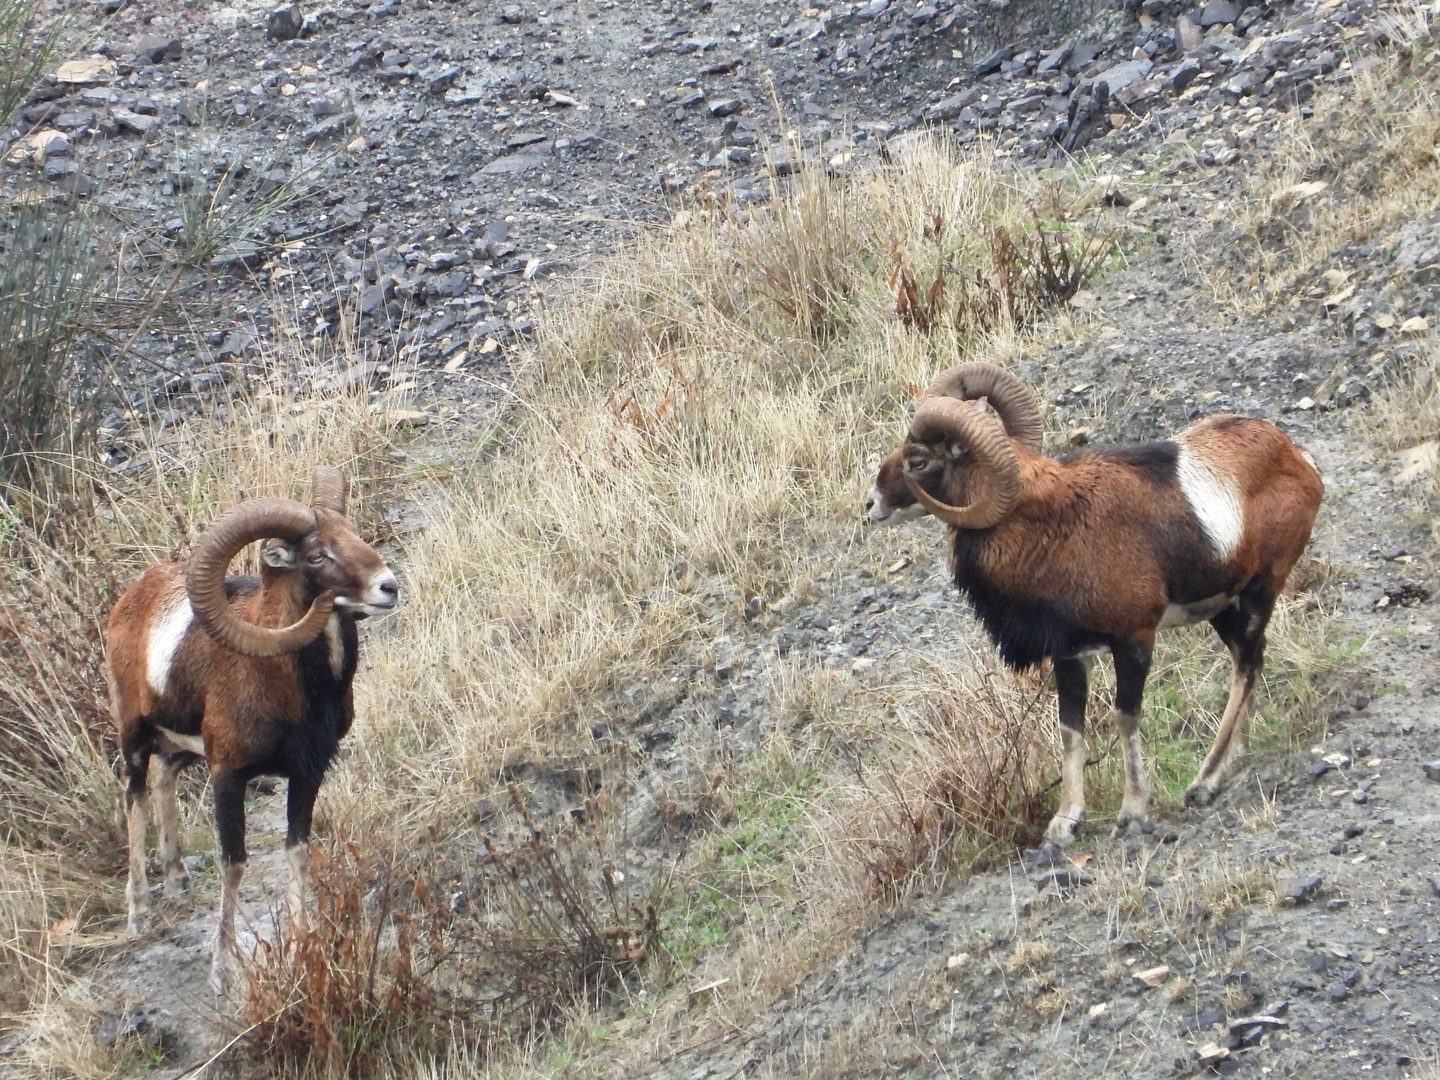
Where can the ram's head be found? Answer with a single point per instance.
(338, 570)
(957, 461)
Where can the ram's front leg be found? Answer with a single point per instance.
(1071, 685)
(229, 789)
(1132, 665)
(300, 807)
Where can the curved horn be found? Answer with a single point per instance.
(945, 420)
(1012, 399)
(328, 489)
(256, 519)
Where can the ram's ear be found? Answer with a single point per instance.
(957, 452)
(278, 555)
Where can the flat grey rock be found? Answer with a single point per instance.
(1122, 75)
(515, 163)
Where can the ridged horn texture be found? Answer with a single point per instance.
(945, 420)
(1008, 396)
(328, 489)
(255, 519)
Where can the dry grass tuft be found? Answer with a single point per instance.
(1052, 1004)
(53, 713)
(972, 749)
(1407, 415)
(398, 962)
(1363, 164)
(1236, 999)
(1030, 955)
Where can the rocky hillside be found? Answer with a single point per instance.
(438, 179)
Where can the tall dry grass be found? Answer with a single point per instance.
(701, 414)
(689, 444)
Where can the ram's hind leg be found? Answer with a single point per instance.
(167, 813)
(1132, 665)
(135, 747)
(1071, 686)
(1242, 628)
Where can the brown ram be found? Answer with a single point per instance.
(1095, 552)
(252, 675)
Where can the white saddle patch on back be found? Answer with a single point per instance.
(1213, 498)
(166, 633)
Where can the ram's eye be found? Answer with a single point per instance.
(916, 465)
(317, 559)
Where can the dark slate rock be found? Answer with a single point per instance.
(991, 63)
(514, 163)
(1052, 60)
(439, 79)
(952, 106)
(132, 121)
(1064, 878)
(285, 23)
(1184, 75)
(1208, 1018)
(1218, 13)
(327, 128)
(1122, 75)
(154, 49)
(452, 284)
(1298, 888)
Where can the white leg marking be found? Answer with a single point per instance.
(298, 856)
(137, 889)
(223, 958)
(1214, 500)
(1072, 788)
(1136, 804)
(166, 633)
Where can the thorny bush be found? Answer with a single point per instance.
(981, 750)
(1044, 266)
(401, 956)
